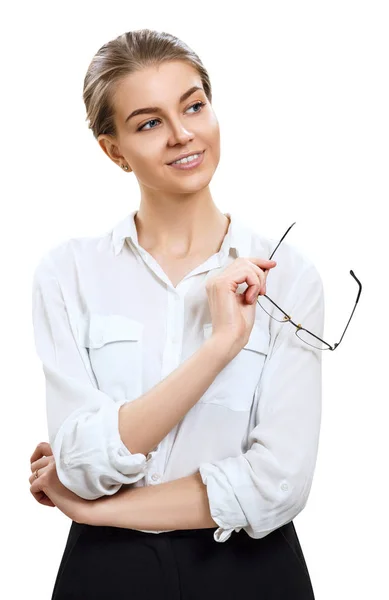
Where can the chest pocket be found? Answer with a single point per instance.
(114, 344)
(234, 385)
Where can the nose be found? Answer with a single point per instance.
(179, 134)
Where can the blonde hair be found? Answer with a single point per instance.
(128, 53)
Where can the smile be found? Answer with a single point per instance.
(191, 162)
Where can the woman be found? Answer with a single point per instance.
(183, 419)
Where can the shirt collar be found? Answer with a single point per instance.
(238, 235)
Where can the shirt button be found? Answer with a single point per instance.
(284, 487)
(66, 460)
(155, 477)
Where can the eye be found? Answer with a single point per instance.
(151, 121)
(200, 104)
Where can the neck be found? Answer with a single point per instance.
(181, 231)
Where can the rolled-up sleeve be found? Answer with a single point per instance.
(91, 458)
(268, 485)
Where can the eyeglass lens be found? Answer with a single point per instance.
(275, 313)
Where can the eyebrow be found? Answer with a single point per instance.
(156, 109)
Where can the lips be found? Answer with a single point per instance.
(180, 156)
(190, 165)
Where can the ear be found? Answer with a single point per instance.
(109, 145)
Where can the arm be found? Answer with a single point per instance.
(268, 485)
(91, 459)
(98, 446)
(164, 405)
(179, 504)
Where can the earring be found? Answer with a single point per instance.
(125, 167)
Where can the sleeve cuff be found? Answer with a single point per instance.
(224, 507)
(121, 457)
(92, 469)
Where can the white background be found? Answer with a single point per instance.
(300, 90)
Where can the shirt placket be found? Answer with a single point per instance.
(171, 356)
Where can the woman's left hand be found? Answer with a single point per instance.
(47, 488)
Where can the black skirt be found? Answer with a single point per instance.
(111, 563)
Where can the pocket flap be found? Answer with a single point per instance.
(259, 339)
(101, 329)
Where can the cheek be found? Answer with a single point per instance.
(145, 160)
(214, 124)
(214, 147)
(213, 137)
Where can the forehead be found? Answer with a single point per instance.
(155, 86)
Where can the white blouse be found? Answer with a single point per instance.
(109, 325)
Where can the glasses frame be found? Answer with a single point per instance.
(298, 326)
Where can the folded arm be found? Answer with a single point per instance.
(98, 443)
(179, 504)
(267, 486)
(91, 459)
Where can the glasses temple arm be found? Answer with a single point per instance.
(287, 231)
(355, 306)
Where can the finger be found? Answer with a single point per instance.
(264, 263)
(266, 273)
(264, 269)
(43, 499)
(38, 464)
(46, 501)
(36, 484)
(33, 478)
(262, 282)
(254, 283)
(42, 449)
(254, 279)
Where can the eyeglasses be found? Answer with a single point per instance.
(282, 317)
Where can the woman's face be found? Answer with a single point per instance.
(148, 142)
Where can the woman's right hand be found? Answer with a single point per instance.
(41, 457)
(233, 314)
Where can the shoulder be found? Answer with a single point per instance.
(67, 255)
(294, 266)
(291, 255)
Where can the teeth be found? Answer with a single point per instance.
(187, 159)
